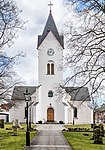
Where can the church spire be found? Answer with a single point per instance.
(50, 26)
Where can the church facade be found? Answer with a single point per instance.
(50, 53)
(47, 107)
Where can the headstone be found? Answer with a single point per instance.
(14, 131)
(15, 125)
(1, 123)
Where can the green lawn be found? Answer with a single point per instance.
(80, 126)
(10, 142)
(80, 142)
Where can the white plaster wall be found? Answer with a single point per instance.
(38, 107)
(84, 113)
(49, 42)
(18, 111)
(70, 115)
(49, 82)
(33, 114)
(34, 97)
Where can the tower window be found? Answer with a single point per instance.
(50, 67)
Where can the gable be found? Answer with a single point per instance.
(50, 41)
(50, 26)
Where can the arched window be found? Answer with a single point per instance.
(50, 67)
(75, 112)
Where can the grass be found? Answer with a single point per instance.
(80, 126)
(80, 142)
(10, 142)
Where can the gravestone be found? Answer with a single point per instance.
(15, 125)
(1, 123)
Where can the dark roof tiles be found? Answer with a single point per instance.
(18, 92)
(78, 94)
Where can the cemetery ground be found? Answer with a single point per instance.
(10, 142)
(81, 140)
(77, 140)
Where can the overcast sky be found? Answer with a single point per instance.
(36, 13)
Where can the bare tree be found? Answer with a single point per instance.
(80, 5)
(8, 77)
(86, 46)
(10, 21)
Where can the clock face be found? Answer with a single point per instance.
(50, 52)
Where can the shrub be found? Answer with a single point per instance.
(97, 135)
(61, 122)
(40, 122)
(1, 123)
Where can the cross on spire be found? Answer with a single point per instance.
(50, 5)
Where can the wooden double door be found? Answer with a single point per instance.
(50, 114)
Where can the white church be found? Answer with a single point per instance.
(44, 105)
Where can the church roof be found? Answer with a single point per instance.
(50, 26)
(78, 94)
(6, 106)
(18, 92)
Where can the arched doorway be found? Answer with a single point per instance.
(50, 114)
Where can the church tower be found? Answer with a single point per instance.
(50, 52)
